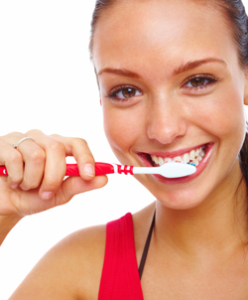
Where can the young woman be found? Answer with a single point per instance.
(173, 82)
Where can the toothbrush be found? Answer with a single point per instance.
(168, 170)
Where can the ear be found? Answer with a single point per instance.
(246, 88)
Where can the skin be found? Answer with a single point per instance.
(199, 243)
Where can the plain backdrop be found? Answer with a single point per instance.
(47, 82)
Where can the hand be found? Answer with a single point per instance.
(40, 185)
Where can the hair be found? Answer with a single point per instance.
(234, 12)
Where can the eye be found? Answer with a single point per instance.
(124, 93)
(199, 82)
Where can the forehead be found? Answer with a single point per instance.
(160, 31)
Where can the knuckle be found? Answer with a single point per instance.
(38, 156)
(14, 157)
(14, 134)
(79, 142)
(55, 136)
(57, 147)
(33, 132)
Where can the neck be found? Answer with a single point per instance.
(218, 224)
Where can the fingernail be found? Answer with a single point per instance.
(89, 170)
(46, 195)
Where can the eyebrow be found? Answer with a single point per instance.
(121, 72)
(183, 68)
(196, 63)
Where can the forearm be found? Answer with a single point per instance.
(6, 224)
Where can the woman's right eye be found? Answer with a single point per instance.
(124, 93)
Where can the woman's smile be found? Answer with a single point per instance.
(199, 156)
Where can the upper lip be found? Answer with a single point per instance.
(171, 154)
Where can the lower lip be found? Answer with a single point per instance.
(199, 168)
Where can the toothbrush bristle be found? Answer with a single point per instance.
(190, 163)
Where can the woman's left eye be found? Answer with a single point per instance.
(199, 82)
(124, 93)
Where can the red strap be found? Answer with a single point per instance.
(120, 275)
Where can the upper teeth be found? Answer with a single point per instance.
(194, 156)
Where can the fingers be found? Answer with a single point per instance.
(34, 158)
(55, 165)
(13, 161)
(78, 148)
(45, 164)
(69, 188)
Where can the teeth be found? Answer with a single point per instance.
(196, 162)
(195, 156)
(186, 157)
(160, 161)
(192, 155)
(201, 153)
(178, 158)
(155, 159)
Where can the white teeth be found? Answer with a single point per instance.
(195, 156)
(192, 155)
(202, 153)
(178, 158)
(160, 161)
(155, 159)
(186, 157)
(196, 162)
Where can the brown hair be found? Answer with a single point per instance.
(235, 14)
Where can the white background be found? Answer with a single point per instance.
(47, 82)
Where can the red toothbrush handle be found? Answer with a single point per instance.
(72, 169)
(100, 169)
(3, 171)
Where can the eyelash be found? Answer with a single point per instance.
(210, 80)
(118, 89)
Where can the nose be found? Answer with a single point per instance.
(166, 122)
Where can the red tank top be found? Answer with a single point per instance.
(120, 276)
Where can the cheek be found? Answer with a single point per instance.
(223, 115)
(121, 128)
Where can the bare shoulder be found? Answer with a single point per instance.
(70, 270)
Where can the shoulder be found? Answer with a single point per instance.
(83, 252)
(70, 270)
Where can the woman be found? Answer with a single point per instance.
(173, 83)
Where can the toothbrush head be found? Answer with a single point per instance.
(176, 170)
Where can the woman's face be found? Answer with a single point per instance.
(171, 86)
